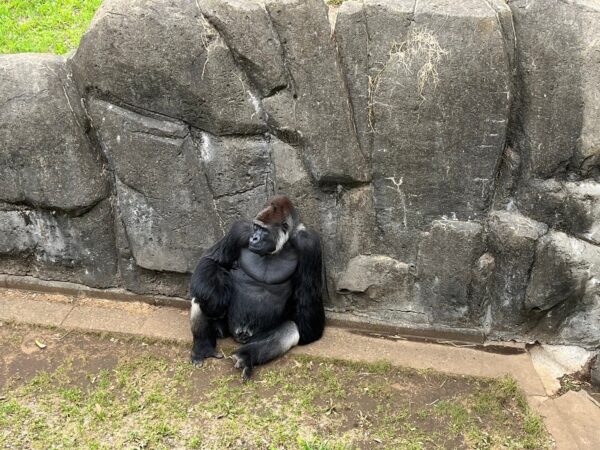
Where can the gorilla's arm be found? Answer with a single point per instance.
(211, 284)
(308, 313)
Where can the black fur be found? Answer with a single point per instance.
(308, 313)
(211, 282)
(269, 307)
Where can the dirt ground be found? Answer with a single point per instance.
(85, 390)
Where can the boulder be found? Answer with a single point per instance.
(569, 206)
(46, 159)
(436, 101)
(512, 240)
(380, 288)
(595, 372)
(164, 56)
(163, 197)
(60, 246)
(246, 28)
(563, 294)
(559, 84)
(239, 174)
(446, 261)
(574, 323)
(351, 36)
(563, 265)
(316, 108)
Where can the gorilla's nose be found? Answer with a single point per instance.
(254, 239)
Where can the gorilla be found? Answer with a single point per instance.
(261, 284)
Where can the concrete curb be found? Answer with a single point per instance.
(572, 419)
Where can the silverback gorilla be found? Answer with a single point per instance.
(261, 284)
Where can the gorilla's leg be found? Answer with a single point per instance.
(205, 332)
(266, 347)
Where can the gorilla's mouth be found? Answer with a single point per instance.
(261, 249)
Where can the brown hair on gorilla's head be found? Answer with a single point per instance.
(279, 210)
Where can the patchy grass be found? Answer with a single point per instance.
(53, 26)
(101, 391)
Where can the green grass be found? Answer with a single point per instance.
(100, 392)
(44, 26)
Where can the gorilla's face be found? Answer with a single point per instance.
(264, 240)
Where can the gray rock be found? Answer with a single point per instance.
(381, 288)
(235, 164)
(352, 39)
(572, 207)
(163, 196)
(446, 262)
(512, 240)
(292, 179)
(60, 246)
(482, 289)
(239, 173)
(349, 232)
(164, 56)
(317, 107)
(369, 275)
(564, 291)
(439, 101)
(561, 270)
(575, 324)
(247, 30)
(144, 281)
(243, 205)
(559, 112)
(356, 229)
(595, 372)
(46, 159)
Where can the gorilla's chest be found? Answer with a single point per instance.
(269, 269)
(263, 286)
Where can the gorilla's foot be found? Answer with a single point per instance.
(242, 362)
(198, 358)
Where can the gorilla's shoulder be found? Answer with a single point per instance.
(305, 239)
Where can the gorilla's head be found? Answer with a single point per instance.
(273, 226)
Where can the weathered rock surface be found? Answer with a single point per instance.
(53, 245)
(446, 152)
(595, 372)
(447, 258)
(164, 56)
(163, 197)
(563, 266)
(383, 286)
(317, 104)
(564, 289)
(247, 29)
(512, 240)
(436, 101)
(559, 83)
(46, 160)
(238, 172)
(572, 207)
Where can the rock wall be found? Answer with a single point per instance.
(448, 153)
